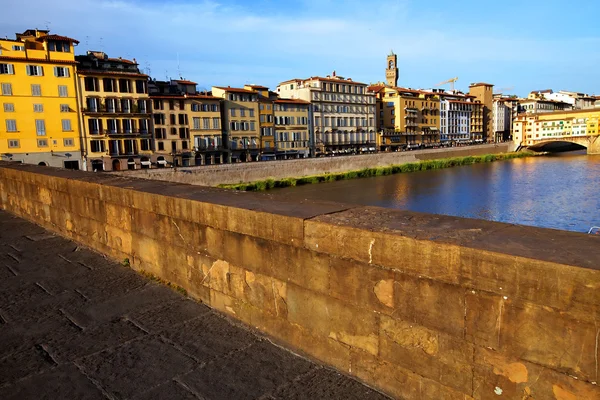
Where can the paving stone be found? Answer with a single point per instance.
(169, 390)
(168, 315)
(135, 366)
(326, 384)
(25, 361)
(248, 374)
(149, 296)
(73, 326)
(208, 337)
(63, 382)
(84, 342)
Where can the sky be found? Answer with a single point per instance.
(516, 45)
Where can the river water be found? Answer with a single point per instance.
(560, 191)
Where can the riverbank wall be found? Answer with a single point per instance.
(213, 175)
(420, 306)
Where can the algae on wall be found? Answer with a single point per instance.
(376, 171)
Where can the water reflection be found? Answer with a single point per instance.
(557, 191)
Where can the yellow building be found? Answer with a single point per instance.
(240, 123)
(187, 125)
(482, 115)
(291, 139)
(531, 129)
(406, 117)
(114, 100)
(266, 120)
(39, 113)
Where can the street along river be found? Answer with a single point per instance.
(560, 191)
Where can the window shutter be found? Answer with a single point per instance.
(11, 69)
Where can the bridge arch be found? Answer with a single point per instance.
(556, 145)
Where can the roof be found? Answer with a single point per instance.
(235, 90)
(295, 101)
(326, 79)
(480, 84)
(185, 82)
(183, 96)
(57, 37)
(542, 91)
(375, 88)
(119, 73)
(258, 87)
(121, 60)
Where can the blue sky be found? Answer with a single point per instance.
(526, 45)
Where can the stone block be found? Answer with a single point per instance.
(426, 352)
(483, 318)
(328, 317)
(547, 337)
(362, 285)
(497, 376)
(298, 265)
(487, 271)
(430, 303)
(118, 216)
(341, 241)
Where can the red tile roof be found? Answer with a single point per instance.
(258, 87)
(122, 60)
(57, 37)
(185, 82)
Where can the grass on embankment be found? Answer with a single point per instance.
(376, 171)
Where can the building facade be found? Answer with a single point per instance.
(391, 70)
(39, 113)
(502, 112)
(343, 113)
(529, 129)
(266, 120)
(187, 125)
(115, 118)
(482, 115)
(577, 100)
(541, 105)
(292, 135)
(240, 123)
(407, 117)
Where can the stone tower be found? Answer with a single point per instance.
(391, 72)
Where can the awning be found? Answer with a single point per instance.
(162, 162)
(148, 163)
(131, 162)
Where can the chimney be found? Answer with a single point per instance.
(333, 73)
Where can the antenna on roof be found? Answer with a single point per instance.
(101, 45)
(47, 25)
(87, 40)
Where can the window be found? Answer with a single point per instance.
(34, 70)
(11, 125)
(140, 86)
(36, 90)
(205, 123)
(42, 143)
(242, 112)
(7, 69)
(6, 89)
(40, 127)
(61, 72)
(65, 108)
(64, 47)
(38, 108)
(232, 112)
(63, 91)
(196, 122)
(9, 107)
(109, 85)
(216, 123)
(251, 112)
(161, 146)
(66, 125)
(13, 143)
(252, 128)
(97, 146)
(91, 84)
(68, 142)
(17, 47)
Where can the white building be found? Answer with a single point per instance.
(455, 116)
(342, 115)
(502, 113)
(578, 101)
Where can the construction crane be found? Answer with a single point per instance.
(450, 81)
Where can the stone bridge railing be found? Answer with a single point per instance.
(419, 306)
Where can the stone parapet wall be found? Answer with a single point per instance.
(420, 306)
(213, 175)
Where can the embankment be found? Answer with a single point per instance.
(213, 175)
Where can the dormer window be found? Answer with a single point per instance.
(63, 47)
(18, 47)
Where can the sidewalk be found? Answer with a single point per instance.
(74, 325)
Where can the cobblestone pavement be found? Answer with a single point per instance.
(74, 325)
